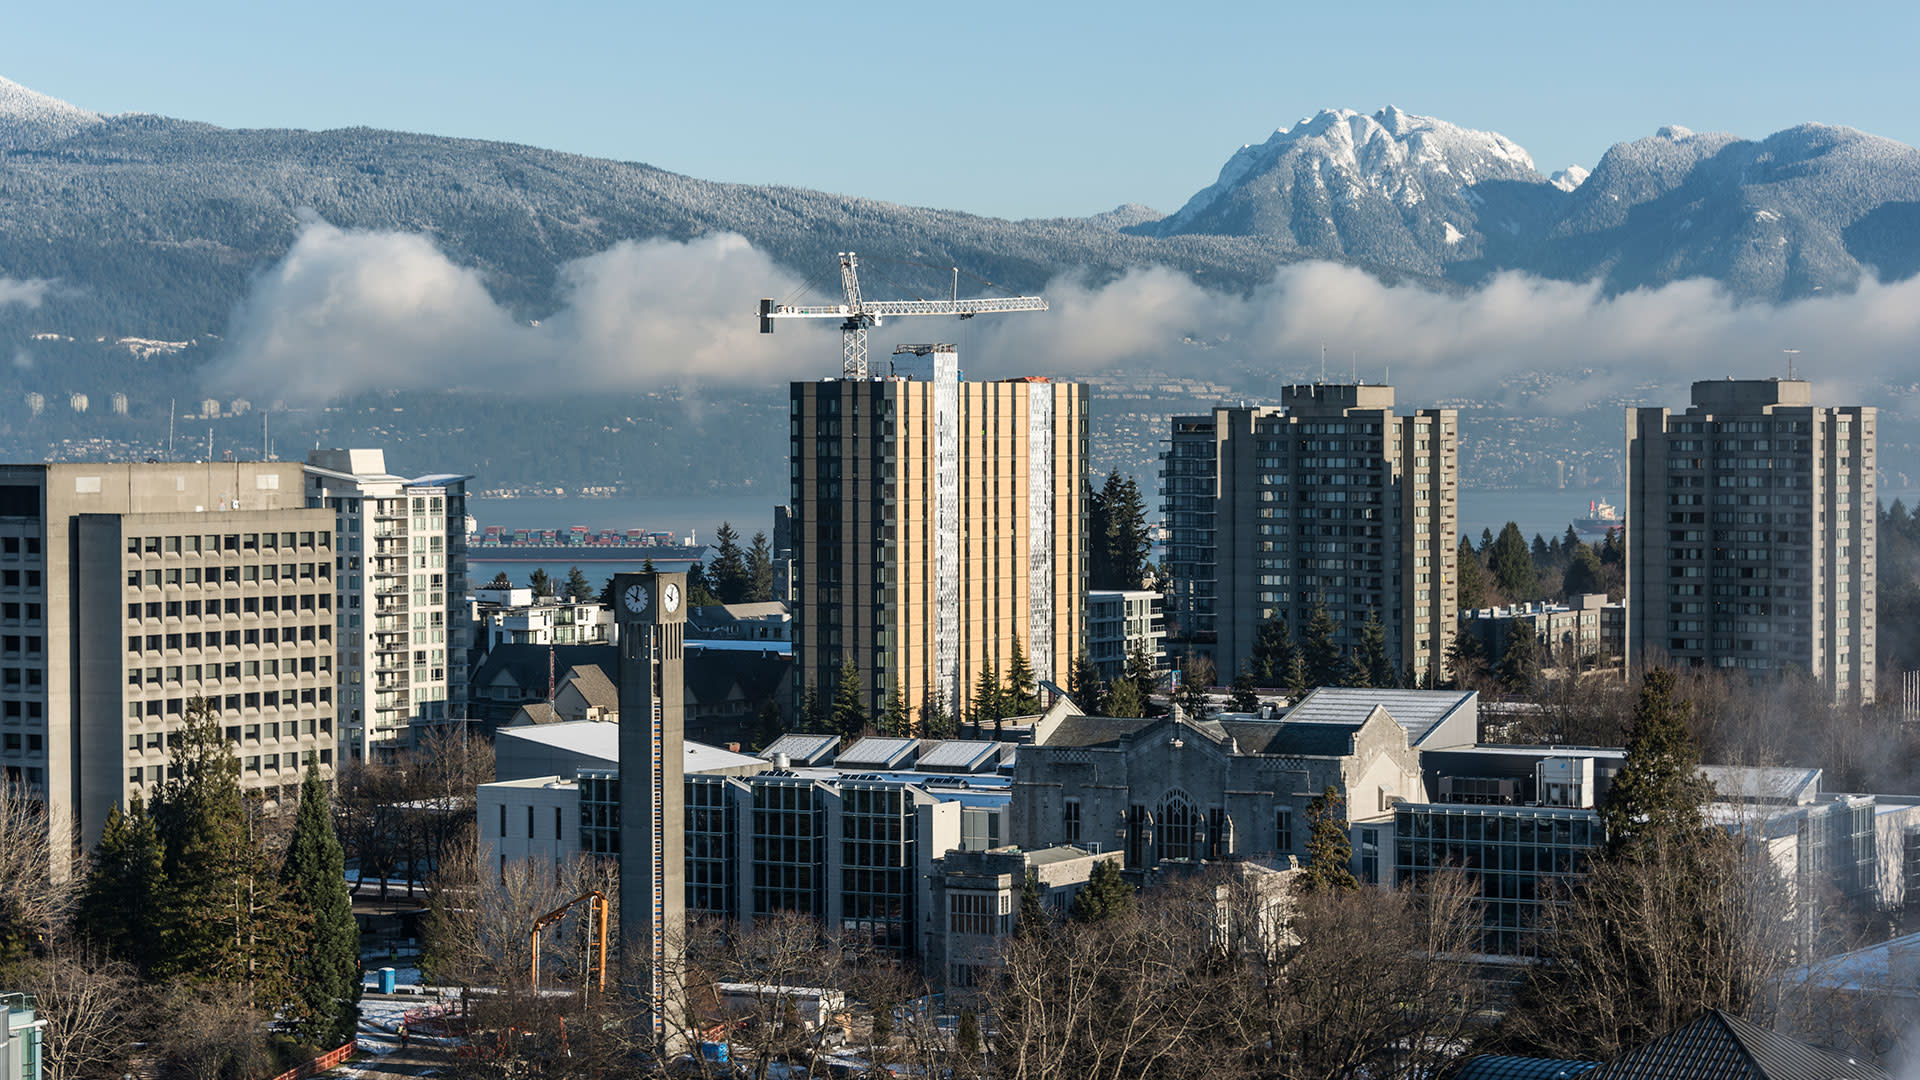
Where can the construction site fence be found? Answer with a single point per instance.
(320, 1064)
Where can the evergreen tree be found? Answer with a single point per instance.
(728, 576)
(849, 702)
(1297, 679)
(1520, 663)
(1329, 845)
(760, 570)
(1584, 573)
(116, 913)
(1570, 543)
(936, 717)
(1511, 562)
(1486, 542)
(1145, 679)
(989, 698)
(1272, 652)
(767, 725)
(813, 716)
(1371, 662)
(1325, 665)
(898, 722)
(1659, 792)
(1032, 917)
(579, 589)
(206, 904)
(1196, 679)
(700, 587)
(1022, 697)
(1118, 541)
(326, 975)
(1466, 660)
(539, 582)
(1246, 697)
(1123, 699)
(1470, 579)
(966, 1036)
(1084, 686)
(1541, 554)
(1105, 895)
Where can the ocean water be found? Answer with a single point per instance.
(679, 515)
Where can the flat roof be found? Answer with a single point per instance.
(802, 749)
(876, 751)
(1419, 711)
(963, 755)
(601, 739)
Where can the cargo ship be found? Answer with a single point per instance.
(1602, 518)
(579, 544)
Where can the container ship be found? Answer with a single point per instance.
(1602, 518)
(579, 544)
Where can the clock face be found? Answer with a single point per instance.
(670, 596)
(636, 598)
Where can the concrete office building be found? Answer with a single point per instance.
(404, 618)
(936, 524)
(1328, 496)
(1750, 534)
(128, 590)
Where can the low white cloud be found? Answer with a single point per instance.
(1466, 344)
(27, 293)
(351, 311)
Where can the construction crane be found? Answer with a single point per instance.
(859, 313)
(596, 936)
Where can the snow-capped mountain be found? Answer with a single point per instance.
(1388, 188)
(29, 119)
(1570, 177)
(1810, 208)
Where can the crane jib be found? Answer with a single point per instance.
(857, 313)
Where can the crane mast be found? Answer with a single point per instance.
(857, 314)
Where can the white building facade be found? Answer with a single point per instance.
(403, 618)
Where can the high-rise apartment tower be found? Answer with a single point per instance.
(1330, 496)
(937, 523)
(404, 620)
(1750, 534)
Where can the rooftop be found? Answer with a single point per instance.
(1422, 712)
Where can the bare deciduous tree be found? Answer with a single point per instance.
(92, 1009)
(38, 870)
(1649, 942)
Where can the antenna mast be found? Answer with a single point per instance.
(1791, 353)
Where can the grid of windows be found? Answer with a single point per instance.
(877, 859)
(245, 620)
(1515, 853)
(789, 829)
(709, 827)
(600, 813)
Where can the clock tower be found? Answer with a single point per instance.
(652, 610)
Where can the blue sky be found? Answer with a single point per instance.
(998, 108)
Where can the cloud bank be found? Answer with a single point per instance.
(27, 293)
(349, 311)
(1474, 343)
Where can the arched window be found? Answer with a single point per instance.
(1178, 824)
